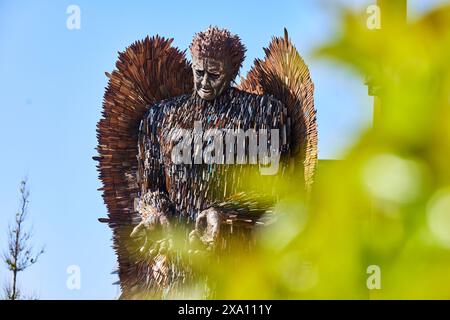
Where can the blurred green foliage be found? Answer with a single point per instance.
(387, 203)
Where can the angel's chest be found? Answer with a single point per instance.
(224, 118)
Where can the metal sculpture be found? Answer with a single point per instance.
(177, 141)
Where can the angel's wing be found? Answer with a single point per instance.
(147, 71)
(284, 74)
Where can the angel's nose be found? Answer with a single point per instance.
(205, 79)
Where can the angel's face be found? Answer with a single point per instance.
(210, 77)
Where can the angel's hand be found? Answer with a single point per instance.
(207, 228)
(155, 229)
(152, 219)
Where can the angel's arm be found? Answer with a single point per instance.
(154, 206)
(247, 209)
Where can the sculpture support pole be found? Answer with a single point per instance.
(393, 15)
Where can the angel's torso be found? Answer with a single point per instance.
(195, 185)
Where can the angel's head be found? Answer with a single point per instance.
(217, 56)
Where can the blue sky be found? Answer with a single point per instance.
(51, 86)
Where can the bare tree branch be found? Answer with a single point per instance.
(20, 253)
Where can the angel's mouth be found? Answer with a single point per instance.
(206, 94)
(207, 91)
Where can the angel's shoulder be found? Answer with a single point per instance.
(161, 109)
(262, 103)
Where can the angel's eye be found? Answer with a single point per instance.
(214, 76)
(199, 73)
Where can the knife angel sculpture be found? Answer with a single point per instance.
(178, 145)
